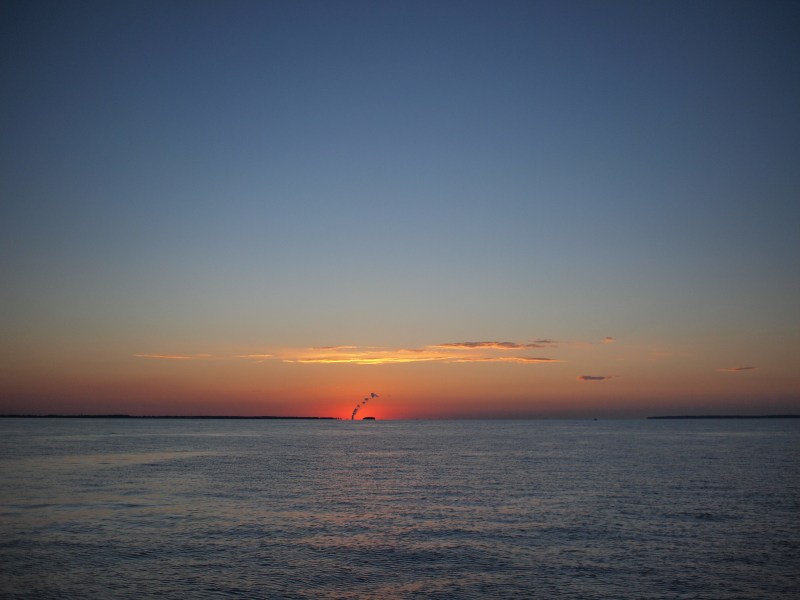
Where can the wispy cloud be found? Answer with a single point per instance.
(453, 352)
(509, 359)
(593, 377)
(333, 348)
(608, 340)
(364, 360)
(494, 345)
(401, 358)
(457, 352)
(737, 369)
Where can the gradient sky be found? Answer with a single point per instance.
(473, 209)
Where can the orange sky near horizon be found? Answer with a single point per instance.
(482, 379)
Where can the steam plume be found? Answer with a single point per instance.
(362, 403)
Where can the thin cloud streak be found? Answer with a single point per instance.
(384, 360)
(455, 352)
(593, 377)
(494, 345)
(736, 369)
(364, 360)
(461, 352)
(511, 359)
(333, 348)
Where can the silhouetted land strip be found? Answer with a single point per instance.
(727, 417)
(156, 417)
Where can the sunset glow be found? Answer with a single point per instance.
(502, 210)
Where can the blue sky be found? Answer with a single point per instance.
(179, 176)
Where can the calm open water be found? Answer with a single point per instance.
(123, 508)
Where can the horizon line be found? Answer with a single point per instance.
(462, 418)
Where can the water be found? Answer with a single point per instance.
(399, 509)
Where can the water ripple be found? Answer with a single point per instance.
(399, 510)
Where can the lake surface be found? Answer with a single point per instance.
(133, 508)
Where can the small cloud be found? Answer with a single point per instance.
(593, 377)
(333, 348)
(737, 369)
(493, 345)
(255, 356)
(608, 340)
(512, 359)
(363, 360)
(480, 345)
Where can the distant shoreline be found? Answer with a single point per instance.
(159, 417)
(727, 417)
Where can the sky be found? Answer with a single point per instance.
(473, 209)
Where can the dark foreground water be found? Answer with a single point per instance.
(337, 509)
